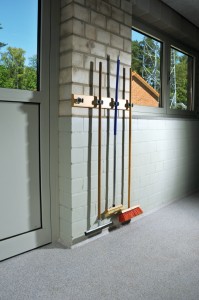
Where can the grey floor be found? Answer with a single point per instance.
(156, 257)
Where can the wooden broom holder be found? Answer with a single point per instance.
(85, 101)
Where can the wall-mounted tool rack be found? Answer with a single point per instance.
(93, 102)
(99, 103)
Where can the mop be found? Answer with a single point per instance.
(131, 212)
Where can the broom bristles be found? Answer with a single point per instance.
(130, 213)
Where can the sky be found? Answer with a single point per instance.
(19, 21)
(136, 36)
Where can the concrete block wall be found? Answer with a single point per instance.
(165, 164)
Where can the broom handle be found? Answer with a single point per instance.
(99, 142)
(130, 140)
(115, 130)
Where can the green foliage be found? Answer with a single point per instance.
(136, 57)
(182, 80)
(13, 71)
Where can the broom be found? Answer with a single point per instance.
(131, 212)
(115, 209)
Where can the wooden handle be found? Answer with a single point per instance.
(99, 140)
(130, 140)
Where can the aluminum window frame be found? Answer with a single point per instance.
(167, 43)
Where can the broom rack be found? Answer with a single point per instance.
(84, 101)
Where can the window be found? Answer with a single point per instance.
(19, 57)
(146, 70)
(163, 73)
(181, 80)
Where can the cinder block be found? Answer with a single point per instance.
(117, 41)
(66, 44)
(98, 50)
(113, 26)
(65, 76)
(125, 58)
(117, 14)
(127, 45)
(80, 199)
(98, 19)
(103, 36)
(90, 32)
(128, 19)
(64, 126)
(113, 53)
(67, 12)
(79, 227)
(77, 60)
(125, 31)
(80, 75)
(65, 213)
(65, 91)
(105, 8)
(79, 213)
(81, 13)
(77, 185)
(127, 6)
(64, 193)
(78, 170)
(78, 27)
(65, 2)
(77, 124)
(79, 140)
(65, 60)
(77, 89)
(114, 2)
(65, 108)
(80, 44)
(80, 1)
(93, 4)
(66, 28)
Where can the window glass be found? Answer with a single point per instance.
(146, 70)
(181, 80)
(18, 44)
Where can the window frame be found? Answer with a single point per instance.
(167, 43)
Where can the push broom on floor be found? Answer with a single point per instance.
(131, 212)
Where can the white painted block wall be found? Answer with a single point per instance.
(165, 162)
(165, 166)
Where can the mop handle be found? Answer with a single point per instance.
(116, 95)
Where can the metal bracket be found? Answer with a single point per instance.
(79, 100)
(128, 104)
(98, 102)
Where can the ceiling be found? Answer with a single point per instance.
(187, 8)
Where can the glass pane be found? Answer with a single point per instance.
(181, 78)
(146, 70)
(18, 44)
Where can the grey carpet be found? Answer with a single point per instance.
(156, 257)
